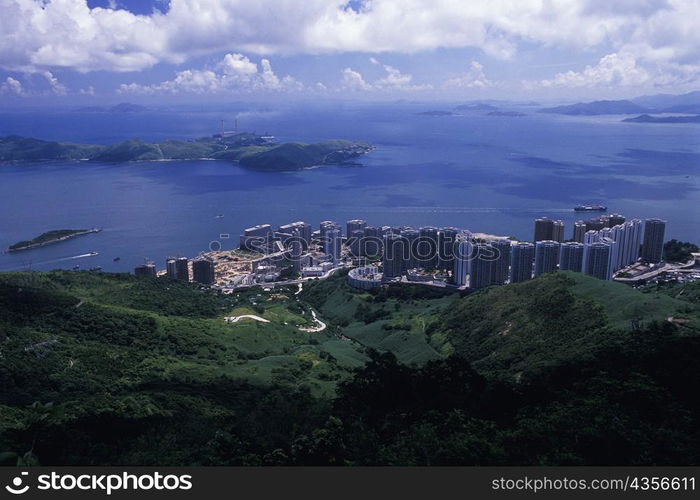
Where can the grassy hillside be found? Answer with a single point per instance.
(84, 348)
(113, 369)
(525, 327)
(400, 319)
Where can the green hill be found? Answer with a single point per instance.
(250, 150)
(561, 370)
(521, 328)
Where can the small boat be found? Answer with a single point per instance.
(94, 253)
(117, 259)
(96, 269)
(75, 268)
(220, 216)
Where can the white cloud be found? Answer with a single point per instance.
(474, 78)
(36, 35)
(56, 87)
(90, 90)
(11, 86)
(626, 70)
(353, 80)
(234, 73)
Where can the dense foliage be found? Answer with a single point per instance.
(111, 369)
(679, 251)
(46, 237)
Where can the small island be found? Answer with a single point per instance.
(50, 237)
(646, 118)
(247, 149)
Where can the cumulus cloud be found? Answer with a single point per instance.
(68, 34)
(353, 80)
(11, 87)
(626, 70)
(394, 79)
(234, 73)
(474, 78)
(55, 86)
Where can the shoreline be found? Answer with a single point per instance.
(55, 240)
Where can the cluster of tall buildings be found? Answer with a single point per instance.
(178, 268)
(598, 247)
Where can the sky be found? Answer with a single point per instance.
(188, 50)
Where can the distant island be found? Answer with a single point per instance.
(249, 150)
(50, 237)
(597, 108)
(646, 118)
(505, 113)
(473, 108)
(122, 107)
(661, 103)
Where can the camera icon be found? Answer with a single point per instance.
(16, 487)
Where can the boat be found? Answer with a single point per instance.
(96, 269)
(94, 253)
(220, 216)
(590, 208)
(75, 268)
(117, 259)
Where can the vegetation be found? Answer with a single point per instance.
(112, 369)
(48, 237)
(679, 251)
(250, 150)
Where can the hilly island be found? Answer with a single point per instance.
(563, 369)
(249, 150)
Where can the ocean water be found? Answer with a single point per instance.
(485, 173)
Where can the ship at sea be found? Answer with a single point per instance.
(590, 208)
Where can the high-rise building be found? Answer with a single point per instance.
(480, 266)
(501, 263)
(653, 245)
(546, 256)
(579, 230)
(558, 231)
(598, 256)
(616, 219)
(203, 271)
(372, 241)
(332, 244)
(355, 242)
(177, 269)
(548, 229)
(355, 225)
(461, 256)
(633, 238)
(257, 238)
(571, 256)
(145, 270)
(303, 229)
(427, 248)
(544, 227)
(395, 255)
(296, 248)
(594, 225)
(446, 244)
(412, 239)
(522, 255)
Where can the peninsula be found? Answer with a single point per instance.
(50, 237)
(249, 150)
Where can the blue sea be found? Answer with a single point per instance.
(485, 173)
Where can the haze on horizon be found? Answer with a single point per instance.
(78, 51)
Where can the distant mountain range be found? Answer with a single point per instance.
(122, 107)
(663, 119)
(661, 103)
